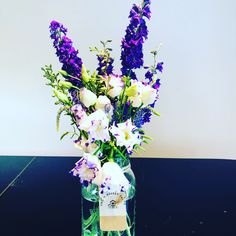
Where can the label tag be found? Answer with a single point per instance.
(112, 208)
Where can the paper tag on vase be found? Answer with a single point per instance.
(112, 208)
(112, 200)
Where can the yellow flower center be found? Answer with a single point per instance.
(127, 135)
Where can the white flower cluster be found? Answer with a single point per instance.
(96, 124)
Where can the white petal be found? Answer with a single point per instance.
(87, 97)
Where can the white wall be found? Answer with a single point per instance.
(197, 98)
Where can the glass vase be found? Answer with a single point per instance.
(90, 207)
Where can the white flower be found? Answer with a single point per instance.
(86, 145)
(125, 135)
(101, 102)
(116, 84)
(79, 113)
(146, 95)
(96, 124)
(88, 169)
(87, 97)
(104, 103)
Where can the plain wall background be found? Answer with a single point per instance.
(197, 98)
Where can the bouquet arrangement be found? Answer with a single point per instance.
(107, 110)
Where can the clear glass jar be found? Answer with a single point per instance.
(90, 207)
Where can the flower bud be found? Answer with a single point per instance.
(132, 90)
(61, 96)
(84, 74)
(65, 84)
(63, 73)
(87, 97)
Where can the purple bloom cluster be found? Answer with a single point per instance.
(149, 75)
(132, 43)
(142, 116)
(106, 63)
(66, 53)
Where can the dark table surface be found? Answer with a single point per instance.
(175, 197)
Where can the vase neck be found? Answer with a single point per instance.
(123, 163)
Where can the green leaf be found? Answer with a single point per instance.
(140, 147)
(103, 43)
(153, 111)
(154, 52)
(147, 137)
(63, 135)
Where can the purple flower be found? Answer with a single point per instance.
(74, 96)
(160, 66)
(149, 76)
(142, 116)
(66, 53)
(132, 43)
(146, 8)
(157, 84)
(56, 29)
(105, 65)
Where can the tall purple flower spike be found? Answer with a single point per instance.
(66, 53)
(132, 43)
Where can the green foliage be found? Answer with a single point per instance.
(59, 113)
(60, 89)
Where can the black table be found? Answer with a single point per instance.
(175, 197)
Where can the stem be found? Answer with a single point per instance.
(128, 232)
(126, 98)
(117, 150)
(95, 153)
(123, 93)
(111, 155)
(90, 220)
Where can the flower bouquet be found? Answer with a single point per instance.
(107, 112)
